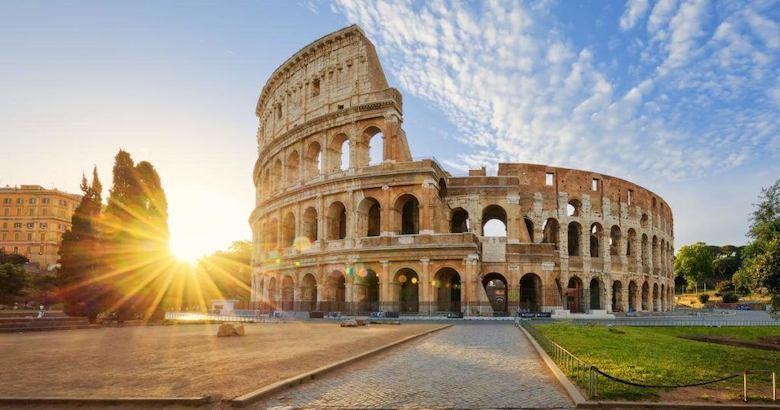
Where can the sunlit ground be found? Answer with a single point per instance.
(183, 360)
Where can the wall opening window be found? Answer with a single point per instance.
(630, 196)
(494, 221)
(408, 208)
(594, 185)
(573, 208)
(460, 221)
(315, 87)
(548, 178)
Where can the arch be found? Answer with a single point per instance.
(276, 175)
(617, 296)
(496, 287)
(312, 161)
(288, 293)
(663, 296)
(551, 232)
(366, 291)
(494, 213)
(369, 217)
(337, 221)
(596, 233)
(633, 296)
(292, 164)
(267, 189)
(288, 230)
(645, 252)
(272, 234)
(335, 292)
(654, 254)
(408, 290)
(407, 207)
(530, 298)
(442, 188)
(645, 297)
(575, 295)
(574, 208)
(308, 293)
(375, 141)
(656, 302)
(574, 235)
(447, 289)
(631, 244)
(643, 221)
(529, 226)
(310, 224)
(614, 240)
(338, 153)
(596, 288)
(459, 222)
(272, 294)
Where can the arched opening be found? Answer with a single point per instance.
(442, 188)
(645, 297)
(632, 296)
(643, 221)
(595, 236)
(293, 164)
(408, 209)
(460, 221)
(272, 235)
(447, 289)
(337, 221)
(575, 295)
(366, 291)
(614, 240)
(408, 284)
(574, 234)
(338, 153)
(310, 224)
(655, 253)
(288, 230)
(645, 252)
(663, 297)
(273, 303)
(313, 160)
(369, 214)
(530, 299)
(335, 293)
(276, 175)
(494, 221)
(288, 293)
(529, 226)
(375, 139)
(573, 208)
(595, 294)
(631, 247)
(267, 189)
(617, 296)
(495, 285)
(656, 300)
(550, 232)
(308, 293)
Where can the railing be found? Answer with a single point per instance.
(587, 376)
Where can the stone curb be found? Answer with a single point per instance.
(293, 381)
(104, 401)
(582, 403)
(571, 389)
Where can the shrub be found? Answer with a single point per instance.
(723, 286)
(704, 298)
(730, 297)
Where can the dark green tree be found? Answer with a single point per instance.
(13, 278)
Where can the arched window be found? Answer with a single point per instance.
(631, 243)
(310, 224)
(293, 162)
(338, 153)
(573, 208)
(614, 240)
(313, 160)
(643, 221)
(550, 230)
(645, 251)
(272, 234)
(337, 221)
(408, 209)
(460, 221)
(529, 226)
(375, 146)
(369, 213)
(595, 236)
(276, 176)
(288, 230)
(442, 188)
(575, 232)
(494, 221)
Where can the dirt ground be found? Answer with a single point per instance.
(184, 360)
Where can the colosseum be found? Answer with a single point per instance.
(347, 220)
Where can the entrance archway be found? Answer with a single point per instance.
(574, 296)
(408, 290)
(308, 293)
(617, 296)
(645, 297)
(632, 296)
(335, 293)
(495, 285)
(595, 294)
(288, 293)
(366, 291)
(530, 293)
(447, 285)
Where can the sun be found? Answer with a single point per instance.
(185, 253)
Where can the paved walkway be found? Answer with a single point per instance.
(465, 366)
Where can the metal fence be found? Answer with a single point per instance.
(588, 377)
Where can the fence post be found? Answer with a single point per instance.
(744, 385)
(774, 385)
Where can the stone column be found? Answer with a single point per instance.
(384, 287)
(424, 295)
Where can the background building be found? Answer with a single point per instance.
(347, 220)
(32, 221)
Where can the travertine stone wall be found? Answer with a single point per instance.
(335, 229)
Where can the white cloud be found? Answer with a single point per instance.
(635, 10)
(518, 90)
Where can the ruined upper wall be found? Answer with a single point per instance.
(333, 73)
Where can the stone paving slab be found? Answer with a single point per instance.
(466, 366)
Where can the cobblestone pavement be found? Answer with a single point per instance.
(465, 366)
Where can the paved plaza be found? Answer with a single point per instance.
(465, 366)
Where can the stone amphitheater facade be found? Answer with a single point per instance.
(336, 228)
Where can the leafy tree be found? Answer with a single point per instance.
(760, 271)
(13, 278)
(694, 263)
(81, 255)
(13, 258)
(723, 286)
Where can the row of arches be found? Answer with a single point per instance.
(299, 165)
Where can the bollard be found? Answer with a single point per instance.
(744, 386)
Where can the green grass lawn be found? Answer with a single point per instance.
(655, 355)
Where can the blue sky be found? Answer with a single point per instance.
(682, 97)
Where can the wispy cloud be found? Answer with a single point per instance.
(512, 81)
